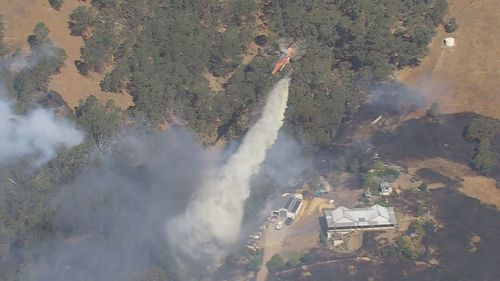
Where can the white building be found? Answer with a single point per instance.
(449, 42)
(289, 206)
(343, 219)
(385, 188)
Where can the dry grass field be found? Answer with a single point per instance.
(466, 77)
(21, 16)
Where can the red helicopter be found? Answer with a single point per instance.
(287, 53)
(285, 58)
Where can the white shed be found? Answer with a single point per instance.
(449, 42)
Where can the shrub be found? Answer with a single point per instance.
(451, 25)
(254, 262)
(423, 187)
(389, 251)
(307, 256)
(56, 4)
(276, 263)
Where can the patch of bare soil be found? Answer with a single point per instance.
(21, 16)
(272, 239)
(216, 84)
(303, 234)
(482, 188)
(463, 78)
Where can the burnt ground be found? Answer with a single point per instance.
(496, 147)
(461, 217)
(458, 217)
(431, 176)
(427, 138)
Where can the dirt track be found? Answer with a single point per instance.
(21, 16)
(463, 78)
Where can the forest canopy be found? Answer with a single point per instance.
(169, 56)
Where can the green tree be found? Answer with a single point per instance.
(98, 50)
(39, 36)
(481, 131)
(56, 4)
(243, 7)
(378, 166)
(451, 25)
(36, 77)
(482, 127)
(484, 159)
(293, 259)
(105, 3)
(306, 257)
(81, 20)
(423, 187)
(276, 263)
(371, 182)
(116, 80)
(69, 163)
(389, 251)
(254, 262)
(406, 247)
(102, 122)
(437, 11)
(82, 67)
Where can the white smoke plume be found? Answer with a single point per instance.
(212, 220)
(38, 134)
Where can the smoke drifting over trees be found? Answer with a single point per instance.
(38, 134)
(111, 218)
(395, 98)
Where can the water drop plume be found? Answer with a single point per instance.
(212, 220)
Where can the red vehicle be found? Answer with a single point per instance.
(285, 58)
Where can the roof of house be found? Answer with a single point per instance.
(290, 203)
(374, 216)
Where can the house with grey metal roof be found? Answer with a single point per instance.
(343, 219)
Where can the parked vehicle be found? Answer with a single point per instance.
(279, 225)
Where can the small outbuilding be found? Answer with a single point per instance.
(385, 188)
(449, 42)
(288, 206)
